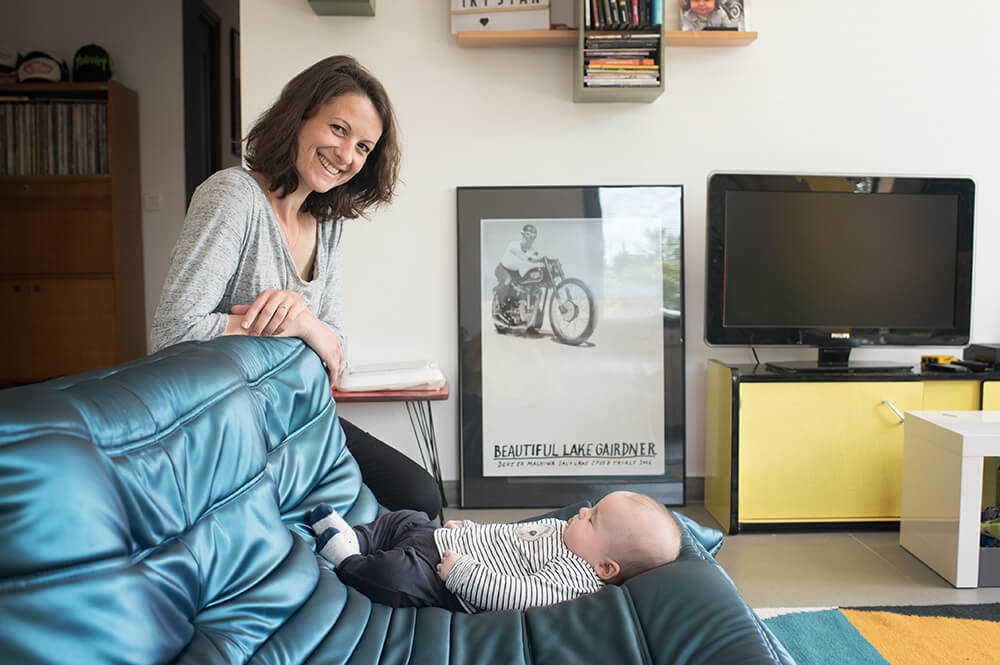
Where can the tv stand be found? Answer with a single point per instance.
(801, 449)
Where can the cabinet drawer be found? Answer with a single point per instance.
(815, 452)
(56, 327)
(56, 226)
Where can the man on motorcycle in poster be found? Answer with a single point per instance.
(517, 260)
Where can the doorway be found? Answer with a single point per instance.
(202, 95)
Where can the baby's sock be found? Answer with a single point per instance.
(336, 539)
(324, 516)
(335, 546)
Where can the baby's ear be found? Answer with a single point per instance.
(608, 569)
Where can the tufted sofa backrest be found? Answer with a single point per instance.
(143, 509)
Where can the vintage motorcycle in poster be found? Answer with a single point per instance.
(520, 305)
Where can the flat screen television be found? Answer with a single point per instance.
(838, 262)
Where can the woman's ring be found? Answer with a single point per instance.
(286, 306)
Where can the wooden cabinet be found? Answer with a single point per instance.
(784, 450)
(71, 278)
(64, 326)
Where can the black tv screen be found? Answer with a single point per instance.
(839, 261)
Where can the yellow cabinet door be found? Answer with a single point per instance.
(718, 442)
(991, 395)
(822, 451)
(951, 395)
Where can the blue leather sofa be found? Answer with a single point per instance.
(154, 513)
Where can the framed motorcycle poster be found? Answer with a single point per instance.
(571, 348)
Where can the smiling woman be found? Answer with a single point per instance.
(259, 252)
(338, 139)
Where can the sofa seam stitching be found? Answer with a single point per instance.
(647, 655)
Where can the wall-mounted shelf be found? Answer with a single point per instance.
(590, 84)
(708, 38)
(554, 38)
(516, 38)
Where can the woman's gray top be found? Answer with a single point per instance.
(229, 250)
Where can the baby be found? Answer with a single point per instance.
(404, 559)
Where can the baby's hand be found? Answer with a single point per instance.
(448, 561)
(454, 524)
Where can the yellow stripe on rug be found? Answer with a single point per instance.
(919, 640)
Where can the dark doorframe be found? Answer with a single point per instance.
(202, 102)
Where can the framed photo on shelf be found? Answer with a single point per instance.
(571, 350)
(713, 15)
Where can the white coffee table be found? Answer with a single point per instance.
(943, 455)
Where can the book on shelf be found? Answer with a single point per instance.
(626, 62)
(622, 14)
(620, 76)
(621, 83)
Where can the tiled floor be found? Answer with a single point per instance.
(814, 569)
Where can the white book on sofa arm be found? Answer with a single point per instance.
(405, 375)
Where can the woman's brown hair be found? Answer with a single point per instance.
(272, 144)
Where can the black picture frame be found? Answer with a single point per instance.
(546, 207)
(235, 94)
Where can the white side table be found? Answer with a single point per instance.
(943, 455)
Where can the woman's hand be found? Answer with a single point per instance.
(321, 339)
(454, 524)
(269, 317)
(266, 315)
(448, 561)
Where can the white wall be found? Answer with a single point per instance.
(855, 86)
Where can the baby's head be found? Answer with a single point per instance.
(703, 8)
(623, 535)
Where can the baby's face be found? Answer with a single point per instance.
(703, 8)
(593, 533)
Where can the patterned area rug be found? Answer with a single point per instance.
(903, 635)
